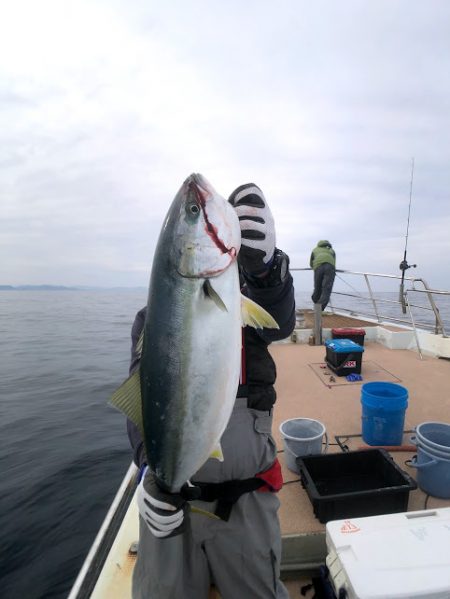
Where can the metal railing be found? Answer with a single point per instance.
(405, 301)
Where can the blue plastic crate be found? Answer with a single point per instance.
(343, 346)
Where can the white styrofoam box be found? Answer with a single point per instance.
(395, 556)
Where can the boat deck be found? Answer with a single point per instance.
(331, 320)
(304, 389)
(301, 392)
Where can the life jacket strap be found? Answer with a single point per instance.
(228, 492)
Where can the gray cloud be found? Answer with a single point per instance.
(105, 108)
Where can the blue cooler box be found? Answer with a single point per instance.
(343, 356)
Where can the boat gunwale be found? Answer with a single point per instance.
(93, 563)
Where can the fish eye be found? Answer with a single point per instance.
(194, 209)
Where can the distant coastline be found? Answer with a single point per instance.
(34, 287)
(63, 288)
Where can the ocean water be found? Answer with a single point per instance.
(63, 450)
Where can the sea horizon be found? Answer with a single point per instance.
(51, 287)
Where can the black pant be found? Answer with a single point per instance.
(323, 284)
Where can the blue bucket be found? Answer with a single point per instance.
(383, 413)
(434, 435)
(433, 473)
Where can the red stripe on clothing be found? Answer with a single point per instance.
(273, 478)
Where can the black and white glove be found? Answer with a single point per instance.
(164, 513)
(257, 228)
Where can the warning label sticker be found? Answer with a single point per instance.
(349, 527)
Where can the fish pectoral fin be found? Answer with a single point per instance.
(255, 316)
(217, 453)
(210, 292)
(127, 399)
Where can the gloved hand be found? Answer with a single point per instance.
(163, 512)
(257, 228)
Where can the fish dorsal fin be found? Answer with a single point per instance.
(217, 453)
(255, 316)
(127, 399)
(210, 292)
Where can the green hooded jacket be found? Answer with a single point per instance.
(323, 252)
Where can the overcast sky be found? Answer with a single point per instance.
(106, 106)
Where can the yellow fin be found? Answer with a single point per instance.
(197, 510)
(127, 399)
(255, 316)
(217, 453)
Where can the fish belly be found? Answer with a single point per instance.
(192, 377)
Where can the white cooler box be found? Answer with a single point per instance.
(393, 556)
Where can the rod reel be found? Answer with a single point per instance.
(402, 297)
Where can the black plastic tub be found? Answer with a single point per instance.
(343, 356)
(354, 484)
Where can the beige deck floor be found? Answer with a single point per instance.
(331, 320)
(301, 393)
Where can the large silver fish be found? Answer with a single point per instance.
(183, 393)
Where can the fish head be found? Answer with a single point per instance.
(206, 232)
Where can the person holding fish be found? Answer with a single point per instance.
(200, 396)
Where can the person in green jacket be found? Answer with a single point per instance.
(323, 262)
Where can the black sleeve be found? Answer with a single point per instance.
(279, 301)
(134, 434)
(136, 443)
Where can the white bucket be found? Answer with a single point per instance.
(302, 436)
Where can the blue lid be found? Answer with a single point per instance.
(341, 346)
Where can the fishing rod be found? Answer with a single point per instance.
(404, 263)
